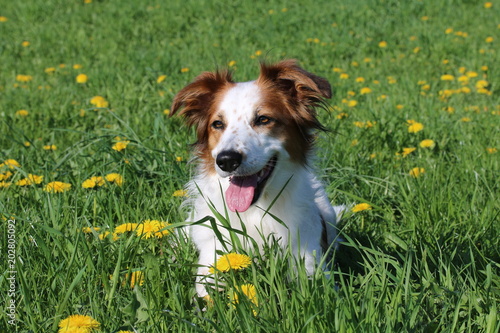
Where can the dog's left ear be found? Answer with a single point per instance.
(299, 91)
(307, 88)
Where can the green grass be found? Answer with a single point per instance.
(426, 258)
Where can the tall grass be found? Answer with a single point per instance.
(425, 258)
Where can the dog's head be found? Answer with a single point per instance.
(244, 130)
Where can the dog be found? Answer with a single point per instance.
(254, 146)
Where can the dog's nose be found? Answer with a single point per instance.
(229, 160)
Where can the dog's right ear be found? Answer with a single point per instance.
(195, 100)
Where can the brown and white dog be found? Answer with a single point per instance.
(254, 144)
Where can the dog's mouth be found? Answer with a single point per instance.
(243, 191)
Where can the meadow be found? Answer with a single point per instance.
(92, 167)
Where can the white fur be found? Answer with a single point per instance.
(301, 206)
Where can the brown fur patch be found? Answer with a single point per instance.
(291, 95)
(198, 103)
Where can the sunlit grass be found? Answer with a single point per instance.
(92, 168)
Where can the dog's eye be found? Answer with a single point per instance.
(218, 124)
(263, 120)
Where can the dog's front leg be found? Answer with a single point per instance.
(208, 249)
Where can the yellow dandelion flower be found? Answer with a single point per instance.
(24, 78)
(93, 182)
(184, 70)
(230, 261)
(22, 113)
(488, 5)
(342, 115)
(232, 63)
(4, 184)
(120, 145)
(427, 143)
(426, 87)
(448, 31)
(464, 79)
(337, 70)
(365, 91)
(179, 193)
(152, 228)
(57, 187)
(161, 78)
(354, 142)
(492, 150)
(99, 102)
(105, 235)
(78, 323)
(50, 70)
(89, 230)
(414, 127)
(247, 290)
(416, 172)
(50, 147)
(482, 84)
(359, 124)
(361, 207)
(125, 227)
(11, 164)
(489, 39)
(5, 175)
(25, 43)
(471, 74)
(425, 18)
(447, 77)
(465, 119)
(360, 79)
(114, 178)
(81, 78)
(166, 112)
(77, 66)
(344, 76)
(134, 278)
(408, 151)
(3, 19)
(30, 180)
(382, 44)
(352, 103)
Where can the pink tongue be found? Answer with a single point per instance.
(239, 195)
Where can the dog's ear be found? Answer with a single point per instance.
(307, 88)
(195, 101)
(302, 91)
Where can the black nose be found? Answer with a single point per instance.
(229, 160)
